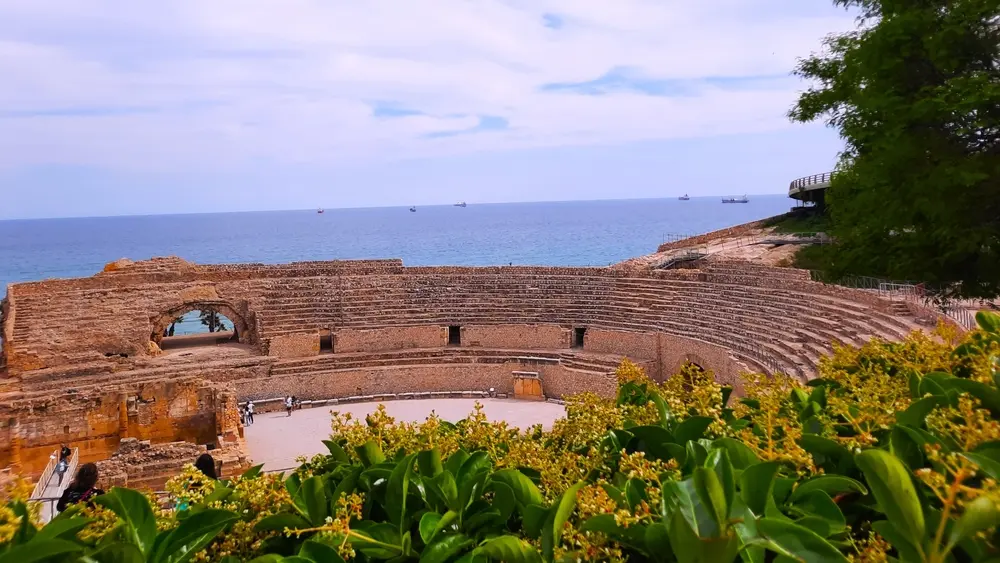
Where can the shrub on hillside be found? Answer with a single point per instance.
(892, 454)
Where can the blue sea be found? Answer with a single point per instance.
(585, 233)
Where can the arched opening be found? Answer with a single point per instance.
(195, 325)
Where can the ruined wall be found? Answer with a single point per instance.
(517, 336)
(141, 465)
(397, 338)
(95, 422)
(294, 345)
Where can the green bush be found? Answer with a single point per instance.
(892, 454)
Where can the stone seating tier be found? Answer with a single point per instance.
(749, 308)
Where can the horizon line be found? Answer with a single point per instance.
(595, 200)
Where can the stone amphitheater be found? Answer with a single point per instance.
(84, 365)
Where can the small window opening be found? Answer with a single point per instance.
(578, 334)
(326, 343)
(454, 335)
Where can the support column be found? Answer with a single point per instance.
(123, 418)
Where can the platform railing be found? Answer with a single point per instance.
(808, 181)
(43, 480)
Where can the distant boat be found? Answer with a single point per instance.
(320, 210)
(413, 210)
(684, 197)
(460, 204)
(735, 200)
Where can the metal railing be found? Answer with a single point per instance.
(906, 291)
(43, 480)
(801, 184)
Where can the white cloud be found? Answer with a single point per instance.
(143, 85)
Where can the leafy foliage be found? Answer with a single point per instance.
(893, 454)
(915, 93)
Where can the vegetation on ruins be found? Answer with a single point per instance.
(915, 93)
(892, 454)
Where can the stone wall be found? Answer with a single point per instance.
(517, 336)
(141, 465)
(294, 345)
(396, 338)
(95, 422)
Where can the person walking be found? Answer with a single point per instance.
(250, 412)
(83, 488)
(288, 405)
(63, 464)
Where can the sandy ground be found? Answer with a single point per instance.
(276, 439)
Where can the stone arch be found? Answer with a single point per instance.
(244, 331)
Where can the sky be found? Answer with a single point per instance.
(113, 107)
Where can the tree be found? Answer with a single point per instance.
(212, 320)
(915, 94)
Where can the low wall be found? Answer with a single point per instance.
(735, 231)
(294, 345)
(386, 339)
(517, 336)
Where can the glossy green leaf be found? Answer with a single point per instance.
(989, 322)
(40, 550)
(903, 446)
(718, 461)
(800, 543)
(445, 484)
(915, 414)
(739, 454)
(525, 491)
(280, 521)
(336, 451)
(455, 461)
(832, 485)
(692, 428)
(503, 499)
(379, 541)
(893, 488)
(445, 548)
(711, 495)
(563, 510)
(397, 490)
(987, 464)
(312, 496)
(657, 541)
(62, 528)
(319, 552)
(509, 549)
(757, 484)
(429, 462)
(370, 454)
(664, 412)
(534, 517)
(979, 515)
(192, 535)
(134, 510)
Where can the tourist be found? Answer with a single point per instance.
(288, 405)
(250, 412)
(82, 489)
(63, 464)
(206, 464)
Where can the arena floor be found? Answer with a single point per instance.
(276, 439)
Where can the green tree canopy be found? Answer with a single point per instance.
(915, 93)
